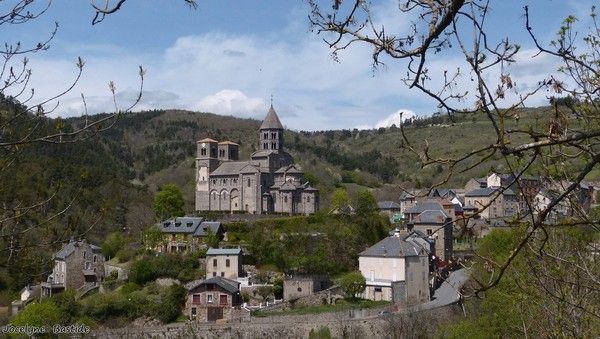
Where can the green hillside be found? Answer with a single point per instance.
(107, 183)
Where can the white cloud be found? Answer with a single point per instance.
(236, 74)
(392, 119)
(231, 102)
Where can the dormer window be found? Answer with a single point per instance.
(177, 224)
(189, 224)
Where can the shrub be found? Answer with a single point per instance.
(38, 314)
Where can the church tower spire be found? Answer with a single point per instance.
(271, 132)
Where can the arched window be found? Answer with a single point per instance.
(203, 151)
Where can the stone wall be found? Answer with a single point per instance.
(419, 324)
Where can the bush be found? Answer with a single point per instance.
(38, 314)
(353, 283)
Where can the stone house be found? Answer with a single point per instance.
(186, 234)
(224, 262)
(213, 299)
(436, 224)
(493, 202)
(475, 183)
(407, 200)
(389, 208)
(78, 265)
(295, 287)
(396, 269)
(268, 182)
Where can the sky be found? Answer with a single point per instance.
(229, 57)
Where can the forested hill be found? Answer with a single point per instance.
(107, 183)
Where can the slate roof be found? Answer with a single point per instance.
(263, 153)
(271, 120)
(230, 168)
(309, 188)
(207, 140)
(429, 205)
(406, 195)
(228, 285)
(431, 217)
(388, 205)
(69, 248)
(181, 225)
(486, 192)
(288, 186)
(224, 251)
(227, 142)
(392, 247)
(202, 230)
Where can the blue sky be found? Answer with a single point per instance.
(229, 56)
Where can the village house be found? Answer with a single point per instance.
(407, 200)
(388, 208)
(186, 234)
(298, 286)
(213, 299)
(78, 265)
(437, 224)
(492, 202)
(396, 269)
(224, 262)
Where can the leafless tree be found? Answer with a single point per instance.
(563, 148)
(25, 122)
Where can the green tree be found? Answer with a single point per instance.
(366, 205)
(168, 202)
(211, 239)
(113, 244)
(45, 313)
(153, 237)
(340, 199)
(353, 283)
(171, 303)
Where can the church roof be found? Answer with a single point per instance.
(291, 169)
(227, 142)
(250, 168)
(207, 140)
(271, 120)
(263, 153)
(288, 186)
(230, 168)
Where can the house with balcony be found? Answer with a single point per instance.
(78, 265)
(213, 299)
(186, 234)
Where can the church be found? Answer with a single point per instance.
(266, 183)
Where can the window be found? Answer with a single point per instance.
(95, 258)
(88, 265)
(307, 199)
(223, 274)
(273, 145)
(377, 289)
(265, 145)
(203, 151)
(285, 199)
(214, 274)
(214, 262)
(194, 313)
(196, 299)
(273, 135)
(265, 135)
(223, 299)
(248, 182)
(226, 262)
(299, 289)
(429, 232)
(209, 298)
